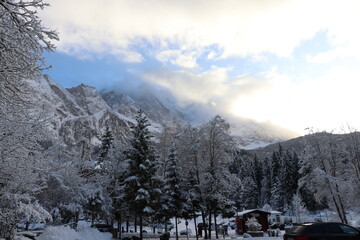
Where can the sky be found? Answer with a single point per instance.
(294, 63)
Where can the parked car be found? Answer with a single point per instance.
(322, 231)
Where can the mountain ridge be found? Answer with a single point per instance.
(83, 111)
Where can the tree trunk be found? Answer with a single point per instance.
(209, 223)
(176, 228)
(216, 229)
(119, 227)
(135, 224)
(204, 223)
(140, 223)
(196, 230)
(92, 218)
(76, 220)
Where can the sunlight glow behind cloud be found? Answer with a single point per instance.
(183, 35)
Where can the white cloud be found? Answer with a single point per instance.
(211, 55)
(179, 58)
(324, 103)
(179, 32)
(189, 87)
(239, 28)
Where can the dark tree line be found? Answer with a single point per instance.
(272, 180)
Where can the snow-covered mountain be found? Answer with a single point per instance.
(250, 134)
(76, 113)
(127, 105)
(82, 112)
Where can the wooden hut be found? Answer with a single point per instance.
(260, 215)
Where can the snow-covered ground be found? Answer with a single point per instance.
(84, 231)
(67, 233)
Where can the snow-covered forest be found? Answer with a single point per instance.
(147, 175)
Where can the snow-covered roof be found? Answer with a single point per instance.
(249, 211)
(275, 212)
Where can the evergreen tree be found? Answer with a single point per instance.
(106, 141)
(174, 196)
(257, 175)
(286, 182)
(248, 193)
(275, 166)
(141, 186)
(265, 182)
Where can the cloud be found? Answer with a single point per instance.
(186, 33)
(238, 28)
(189, 87)
(324, 103)
(176, 57)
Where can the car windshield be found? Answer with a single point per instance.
(348, 229)
(296, 229)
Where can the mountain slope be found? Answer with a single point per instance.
(76, 114)
(82, 112)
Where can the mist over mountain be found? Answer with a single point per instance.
(82, 111)
(161, 106)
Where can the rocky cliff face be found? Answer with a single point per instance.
(76, 114)
(82, 113)
(129, 105)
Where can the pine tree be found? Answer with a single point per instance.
(174, 195)
(275, 166)
(265, 182)
(257, 175)
(141, 186)
(106, 141)
(248, 193)
(286, 182)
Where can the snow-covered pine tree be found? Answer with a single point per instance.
(141, 186)
(106, 141)
(248, 194)
(275, 165)
(265, 182)
(292, 178)
(286, 182)
(257, 173)
(174, 194)
(277, 194)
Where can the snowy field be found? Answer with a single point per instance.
(67, 233)
(84, 231)
(88, 233)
